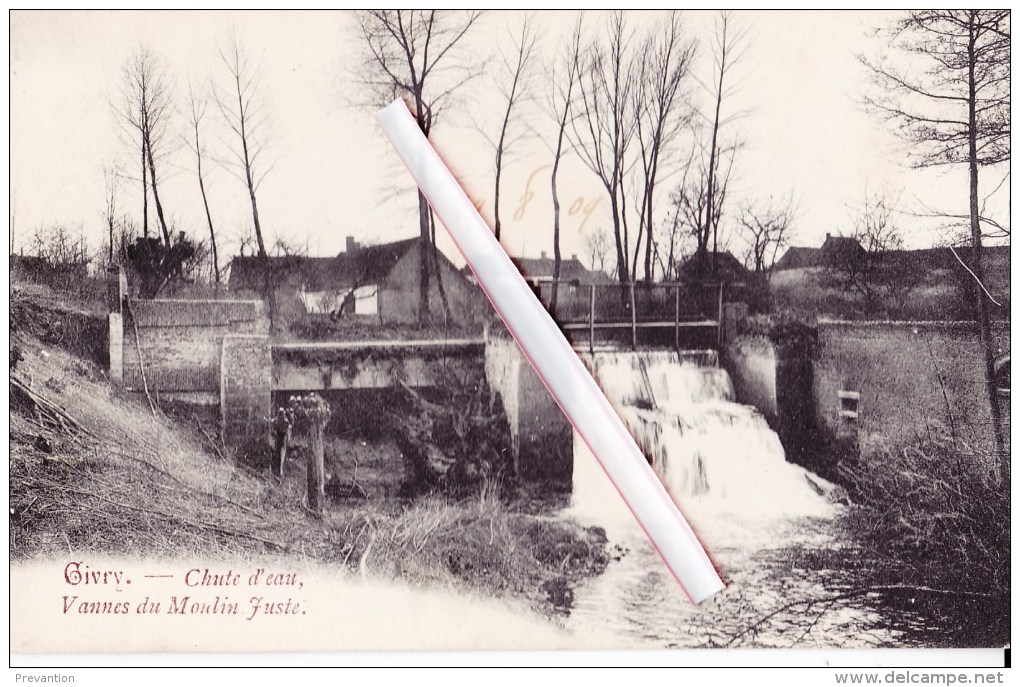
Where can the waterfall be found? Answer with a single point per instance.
(719, 459)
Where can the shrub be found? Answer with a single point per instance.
(793, 335)
(933, 511)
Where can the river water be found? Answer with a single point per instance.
(769, 525)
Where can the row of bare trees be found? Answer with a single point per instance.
(627, 103)
(156, 127)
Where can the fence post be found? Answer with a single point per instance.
(676, 319)
(719, 329)
(591, 320)
(633, 319)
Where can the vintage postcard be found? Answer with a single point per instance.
(259, 401)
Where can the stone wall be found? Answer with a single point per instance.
(177, 343)
(246, 369)
(911, 378)
(542, 436)
(751, 362)
(208, 352)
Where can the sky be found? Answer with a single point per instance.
(807, 135)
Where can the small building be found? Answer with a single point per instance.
(800, 257)
(835, 250)
(542, 269)
(377, 284)
(842, 250)
(717, 266)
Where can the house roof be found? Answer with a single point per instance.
(727, 266)
(544, 267)
(364, 265)
(841, 243)
(798, 256)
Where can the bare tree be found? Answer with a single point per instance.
(563, 79)
(147, 111)
(239, 104)
(690, 201)
(955, 110)
(598, 245)
(767, 228)
(418, 55)
(112, 180)
(58, 245)
(247, 120)
(516, 91)
(661, 114)
(199, 105)
(605, 126)
(873, 269)
(729, 44)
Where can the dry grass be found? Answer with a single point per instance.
(128, 482)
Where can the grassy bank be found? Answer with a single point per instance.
(92, 469)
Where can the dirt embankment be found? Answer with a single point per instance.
(93, 470)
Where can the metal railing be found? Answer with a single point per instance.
(612, 309)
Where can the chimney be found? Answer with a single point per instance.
(828, 236)
(543, 255)
(352, 245)
(573, 256)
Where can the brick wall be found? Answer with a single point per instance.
(246, 369)
(180, 342)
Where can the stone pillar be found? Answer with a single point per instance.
(116, 291)
(246, 370)
(116, 347)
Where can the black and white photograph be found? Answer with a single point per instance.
(260, 400)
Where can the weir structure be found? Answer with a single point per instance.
(637, 315)
(220, 354)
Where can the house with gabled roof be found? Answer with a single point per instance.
(373, 284)
(543, 268)
(836, 250)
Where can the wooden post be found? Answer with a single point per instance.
(316, 466)
(676, 319)
(312, 412)
(633, 319)
(591, 320)
(719, 329)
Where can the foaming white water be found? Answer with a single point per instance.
(719, 459)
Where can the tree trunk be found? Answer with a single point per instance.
(435, 266)
(649, 240)
(424, 244)
(497, 226)
(316, 466)
(212, 232)
(557, 259)
(208, 215)
(145, 196)
(984, 317)
(622, 273)
(155, 196)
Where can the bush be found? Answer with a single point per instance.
(793, 335)
(932, 510)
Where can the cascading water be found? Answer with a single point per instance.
(728, 472)
(719, 459)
